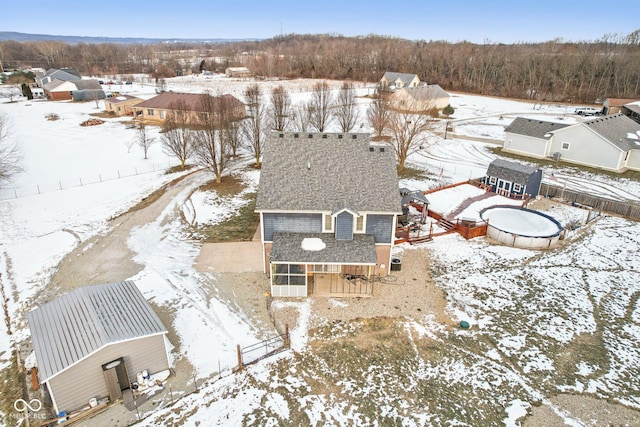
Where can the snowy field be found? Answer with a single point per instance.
(543, 323)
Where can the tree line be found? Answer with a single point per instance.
(579, 72)
(212, 132)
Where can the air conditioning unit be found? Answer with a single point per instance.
(556, 156)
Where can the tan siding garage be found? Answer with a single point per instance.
(77, 334)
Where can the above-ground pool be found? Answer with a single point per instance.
(521, 227)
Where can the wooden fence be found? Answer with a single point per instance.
(625, 209)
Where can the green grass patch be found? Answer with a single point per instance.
(240, 227)
(411, 173)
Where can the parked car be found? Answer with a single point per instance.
(128, 82)
(101, 82)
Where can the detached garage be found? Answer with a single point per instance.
(90, 343)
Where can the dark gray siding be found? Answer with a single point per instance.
(291, 222)
(380, 226)
(344, 226)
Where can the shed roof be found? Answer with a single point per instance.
(320, 171)
(511, 171)
(533, 127)
(81, 322)
(618, 129)
(287, 247)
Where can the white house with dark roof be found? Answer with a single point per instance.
(529, 137)
(328, 204)
(92, 342)
(608, 142)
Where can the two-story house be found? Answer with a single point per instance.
(328, 204)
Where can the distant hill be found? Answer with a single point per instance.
(24, 37)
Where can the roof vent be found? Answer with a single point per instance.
(354, 136)
(295, 135)
(371, 149)
(339, 136)
(324, 136)
(310, 136)
(382, 149)
(281, 135)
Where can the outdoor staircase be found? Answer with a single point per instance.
(446, 224)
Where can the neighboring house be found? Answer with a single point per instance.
(529, 137)
(157, 108)
(239, 72)
(614, 105)
(328, 204)
(419, 99)
(121, 105)
(512, 179)
(87, 90)
(65, 75)
(393, 81)
(632, 110)
(92, 342)
(59, 90)
(608, 142)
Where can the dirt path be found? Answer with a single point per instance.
(106, 258)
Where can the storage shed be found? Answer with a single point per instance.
(512, 179)
(91, 342)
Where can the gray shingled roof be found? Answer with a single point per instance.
(427, 92)
(617, 129)
(324, 171)
(287, 247)
(511, 171)
(406, 78)
(533, 127)
(83, 321)
(85, 84)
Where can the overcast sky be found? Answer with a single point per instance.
(505, 21)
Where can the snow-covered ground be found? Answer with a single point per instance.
(527, 308)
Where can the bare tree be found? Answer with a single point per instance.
(319, 107)
(280, 111)
(10, 152)
(253, 125)
(346, 111)
(212, 147)
(143, 139)
(409, 133)
(177, 137)
(378, 115)
(301, 116)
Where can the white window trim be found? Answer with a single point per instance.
(355, 224)
(324, 223)
(492, 180)
(517, 187)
